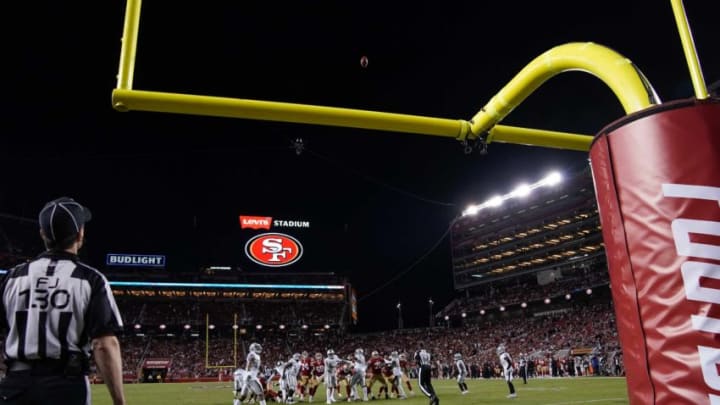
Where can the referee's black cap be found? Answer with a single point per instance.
(62, 218)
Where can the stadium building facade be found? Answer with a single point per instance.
(529, 252)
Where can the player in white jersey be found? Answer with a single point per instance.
(291, 370)
(507, 365)
(279, 370)
(331, 362)
(358, 379)
(252, 369)
(462, 372)
(397, 374)
(238, 385)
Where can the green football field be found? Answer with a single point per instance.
(550, 391)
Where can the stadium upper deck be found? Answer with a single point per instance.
(555, 228)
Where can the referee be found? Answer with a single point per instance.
(422, 358)
(55, 310)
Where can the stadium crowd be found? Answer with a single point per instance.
(526, 289)
(182, 312)
(572, 339)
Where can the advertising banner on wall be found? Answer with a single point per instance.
(134, 260)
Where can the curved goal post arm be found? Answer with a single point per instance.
(626, 82)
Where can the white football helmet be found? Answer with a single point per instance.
(501, 349)
(393, 355)
(458, 356)
(256, 348)
(403, 356)
(330, 352)
(375, 353)
(359, 351)
(296, 356)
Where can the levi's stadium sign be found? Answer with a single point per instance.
(255, 222)
(115, 259)
(274, 249)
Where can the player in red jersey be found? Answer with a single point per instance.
(305, 373)
(318, 372)
(375, 366)
(268, 384)
(387, 374)
(405, 367)
(344, 374)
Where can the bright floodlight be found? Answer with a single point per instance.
(524, 305)
(258, 326)
(552, 179)
(495, 201)
(211, 326)
(482, 312)
(327, 326)
(162, 326)
(522, 190)
(502, 308)
(463, 315)
(304, 326)
(472, 210)
(547, 300)
(187, 326)
(281, 326)
(447, 317)
(568, 296)
(588, 291)
(235, 327)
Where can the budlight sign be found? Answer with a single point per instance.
(274, 249)
(115, 259)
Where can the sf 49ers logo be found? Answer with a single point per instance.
(273, 249)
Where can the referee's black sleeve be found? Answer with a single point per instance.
(4, 326)
(103, 317)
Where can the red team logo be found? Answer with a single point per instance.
(255, 222)
(274, 249)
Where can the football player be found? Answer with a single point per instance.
(358, 377)
(375, 365)
(405, 368)
(290, 370)
(252, 369)
(344, 375)
(238, 386)
(306, 364)
(507, 365)
(331, 368)
(462, 372)
(396, 375)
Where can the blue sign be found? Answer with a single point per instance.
(115, 259)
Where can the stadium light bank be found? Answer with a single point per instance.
(523, 190)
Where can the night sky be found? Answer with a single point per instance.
(377, 201)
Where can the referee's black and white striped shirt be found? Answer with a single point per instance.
(55, 305)
(422, 358)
